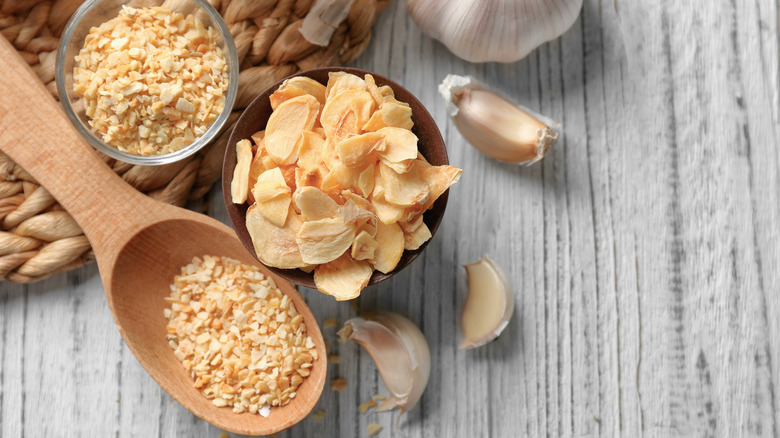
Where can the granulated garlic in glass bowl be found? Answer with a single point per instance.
(147, 85)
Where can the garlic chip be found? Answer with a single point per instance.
(374, 90)
(323, 240)
(275, 246)
(272, 194)
(345, 113)
(269, 185)
(375, 123)
(414, 239)
(239, 187)
(438, 179)
(390, 247)
(298, 86)
(309, 148)
(257, 137)
(285, 125)
(359, 217)
(401, 145)
(364, 246)
(387, 212)
(315, 204)
(358, 150)
(343, 278)
(339, 81)
(396, 114)
(403, 189)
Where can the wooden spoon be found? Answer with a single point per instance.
(140, 244)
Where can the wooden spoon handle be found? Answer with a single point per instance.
(36, 134)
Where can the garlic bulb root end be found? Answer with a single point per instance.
(547, 137)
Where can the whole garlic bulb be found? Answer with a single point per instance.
(493, 30)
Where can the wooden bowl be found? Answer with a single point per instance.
(255, 117)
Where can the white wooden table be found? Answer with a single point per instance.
(643, 251)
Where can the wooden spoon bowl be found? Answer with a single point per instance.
(255, 118)
(140, 244)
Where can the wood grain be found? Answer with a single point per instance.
(644, 251)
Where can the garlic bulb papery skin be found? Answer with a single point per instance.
(495, 126)
(400, 352)
(323, 19)
(493, 30)
(489, 304)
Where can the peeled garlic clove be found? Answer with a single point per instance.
(400, 353)
(489, 305)
(495, 126)
(493, 30)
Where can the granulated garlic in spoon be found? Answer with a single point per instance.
(238, 336)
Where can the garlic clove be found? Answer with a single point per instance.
(495, 126)
(493, 30)
(400, 352)
(489, 305)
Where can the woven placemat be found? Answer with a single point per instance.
(37, 237)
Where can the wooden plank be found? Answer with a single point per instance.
(12, 375)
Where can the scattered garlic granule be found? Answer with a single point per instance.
(237, 335)
(318, 415)
(151, 80)
(338, 385)
(373, 429)
(366, 405)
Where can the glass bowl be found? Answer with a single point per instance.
(95, 12)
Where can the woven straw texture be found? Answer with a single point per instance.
(37, 237)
